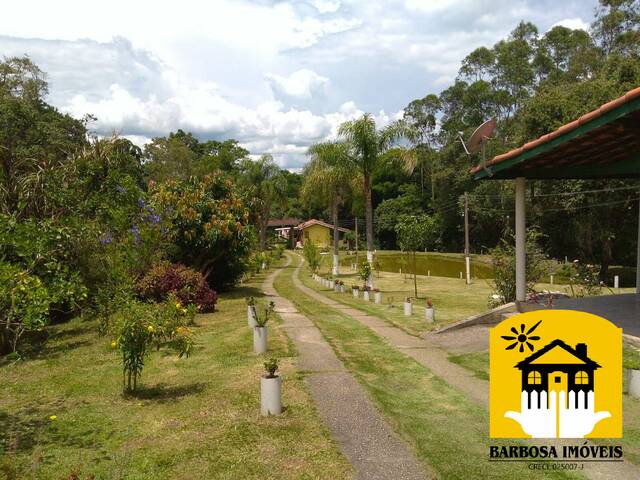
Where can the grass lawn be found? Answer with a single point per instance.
(195, 418)
(448, 432)
(453, 300)
(478, 363)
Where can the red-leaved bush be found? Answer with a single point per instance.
(187, 284)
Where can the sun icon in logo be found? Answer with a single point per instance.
(522, 338)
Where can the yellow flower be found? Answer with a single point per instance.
(178, 305)
(114, 344)
(184, 310)
(53, 417)
(180, 329)
(150, 328)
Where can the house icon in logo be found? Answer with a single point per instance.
(558, 367)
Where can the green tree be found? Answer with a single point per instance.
(330, 178)
(417, 232)
(265, 186)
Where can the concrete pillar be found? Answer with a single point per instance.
(521, 241)
(638, 256)
(336, 265)
(616, 281)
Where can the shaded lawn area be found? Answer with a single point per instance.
(192, 418)
(478, 363)
(448, 432)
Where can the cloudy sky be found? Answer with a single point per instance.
(276, 75)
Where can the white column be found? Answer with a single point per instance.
(521, 241)
(336, 265)
(369, 281)
(638, 256)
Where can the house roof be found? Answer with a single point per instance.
(313, 221)
(283, 222)
(557, 343)
(604, 143)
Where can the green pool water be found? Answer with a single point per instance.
(440, 265)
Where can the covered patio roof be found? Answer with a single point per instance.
(604, 143)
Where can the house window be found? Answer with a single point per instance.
(582, 378)
(534, 378)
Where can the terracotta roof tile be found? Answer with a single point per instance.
(587, 117)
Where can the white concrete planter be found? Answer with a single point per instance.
(341, 288)
(270, 396)
(336, 287)
(259, 340)
(429, 315)
(264, 266)
(408, 309)
(634, 383)
(365, 295)
(356, 292)
(377, 297)
(251, 316)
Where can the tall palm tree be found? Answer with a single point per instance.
(265, 185)
(330, 177)
(368, 144)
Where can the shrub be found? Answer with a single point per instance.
(504, 265)
(261, 320)
(364, 270)
(165, 278)
(24, 305)
(270, 367)
(311, 255)
(138, 327)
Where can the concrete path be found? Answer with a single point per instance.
(428, 352)
(364, 437)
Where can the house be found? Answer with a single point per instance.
(558, 367)
(318, 232)
(282, 227)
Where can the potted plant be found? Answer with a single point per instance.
(260, 330)
(408, 307)
(355, 290)
(377, 295)
(336, 285)
(429, 315)
(341, 286)
(251, 312)
(365, 294)
(270, 389)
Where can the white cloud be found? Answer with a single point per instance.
(572, 23)
(326, 6)
(301, 88)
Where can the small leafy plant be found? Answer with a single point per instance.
(261, 320)
(271, 367)
(407, 299)
(355, 287)
(429, 303)
(251, 301)
(364, 270)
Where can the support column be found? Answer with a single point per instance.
(521, 241)
(638, 255)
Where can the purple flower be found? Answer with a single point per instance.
(154, 219)
(120, 189)
(106, 238)
(141, 202)
(135, 231)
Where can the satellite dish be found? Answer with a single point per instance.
(478, 140)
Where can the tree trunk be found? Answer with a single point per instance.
(369, 221)
(336, 237)
(263, 234)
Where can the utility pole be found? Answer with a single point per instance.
(467, 260)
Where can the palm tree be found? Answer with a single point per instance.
(330, 177)
(368, 144)
(266, 186)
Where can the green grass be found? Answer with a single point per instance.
(477, 362)
(195, 418)
(448, 432)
